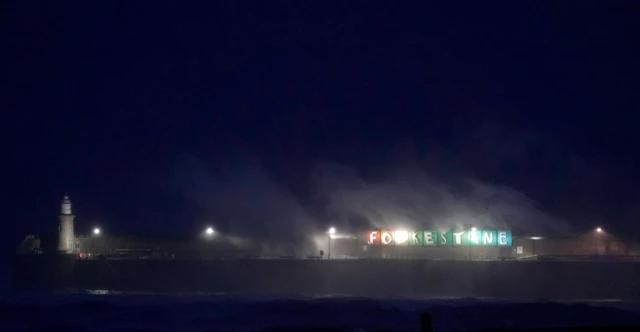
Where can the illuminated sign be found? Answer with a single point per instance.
(471, 238)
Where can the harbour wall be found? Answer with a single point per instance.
(42, 272)
(517, 280)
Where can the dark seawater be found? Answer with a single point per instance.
(73, 310)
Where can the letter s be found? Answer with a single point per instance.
(444, 238)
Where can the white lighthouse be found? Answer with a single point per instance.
(66, 236)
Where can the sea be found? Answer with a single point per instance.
(104, 310)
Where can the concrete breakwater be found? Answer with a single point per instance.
(411, 278)
(517, 280)
(42, 272)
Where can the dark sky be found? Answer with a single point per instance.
(114, 102)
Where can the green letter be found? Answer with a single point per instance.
(489, 238)
(445, 238)
(504, 238)
(415, 238)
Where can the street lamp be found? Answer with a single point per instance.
(209, 231)
(332, 231)
(96, 233)
(597, 239)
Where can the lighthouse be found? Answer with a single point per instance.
(66, 236)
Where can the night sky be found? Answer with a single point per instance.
(255, 116)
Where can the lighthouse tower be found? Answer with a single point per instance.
(66, 236)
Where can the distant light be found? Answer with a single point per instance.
(332, 230)
(535, 238)
(401, 236)
(599, 230)
(96, 231)
(209, 231)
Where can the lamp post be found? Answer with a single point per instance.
(597, 239)
(331, 232)
(210, 250)
(96, 233)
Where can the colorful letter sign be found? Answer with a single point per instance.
(401, 238)
(472, 238)
(416, 238)
(386, 238)
(489, 238)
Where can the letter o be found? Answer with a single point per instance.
(386, 238)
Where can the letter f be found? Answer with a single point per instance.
(372, 237)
